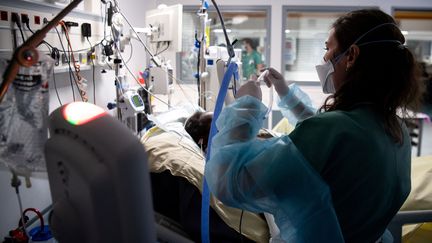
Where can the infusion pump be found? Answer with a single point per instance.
(131, 104)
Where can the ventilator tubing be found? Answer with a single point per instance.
(205, 204)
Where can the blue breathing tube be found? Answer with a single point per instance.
(205, 203)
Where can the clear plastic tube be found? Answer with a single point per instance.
(270, 104)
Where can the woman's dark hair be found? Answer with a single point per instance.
(384, 74)
(198, 126)
(250, 42)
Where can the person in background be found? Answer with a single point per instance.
(251, 60)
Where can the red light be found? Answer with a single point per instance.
(4, 16)
(29, 58)
(36, 19)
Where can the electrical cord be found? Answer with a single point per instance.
(71, 72)
(131, 52)
(198, 64)
(55, 88)
(22, 34)
(230, 47)
(93, 70)
(14, 34)
(21, 31)
(50, 47)
(68, 62)
(240, 226)
(167, 47)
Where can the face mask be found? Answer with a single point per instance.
(325, 74)
(325, 71)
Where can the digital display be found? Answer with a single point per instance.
(137, 101)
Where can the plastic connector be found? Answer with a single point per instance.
(16, 19)
(71, 24)
(111, 106)
(25, 19)
(86, 30)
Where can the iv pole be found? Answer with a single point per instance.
(26, 55)
(203, 16)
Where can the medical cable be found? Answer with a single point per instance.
(50, 47)
(166, 48)
(198, 62)
(68, 61)
(136, 80)
(93, 72)
(18, 24)
(55, 88)
(15, 41)
(229, 46)
(15, 183)
(240, 226)
(131, 53)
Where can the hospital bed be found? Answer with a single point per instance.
(417, 209)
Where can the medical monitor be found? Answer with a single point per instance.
(98, 177)
(166, 22)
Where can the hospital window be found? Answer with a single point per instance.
(416, 26)
(304, 34)
(240, 22)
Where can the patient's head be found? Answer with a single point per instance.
(198, 126)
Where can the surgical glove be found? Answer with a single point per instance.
(273, 77)
(251, 88)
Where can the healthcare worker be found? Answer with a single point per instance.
(251, 59)
(343, 173)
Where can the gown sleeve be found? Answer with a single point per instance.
(269, 176)
(296, 105)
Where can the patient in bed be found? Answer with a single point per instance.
(176, 161)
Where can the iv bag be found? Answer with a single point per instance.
(23, 118)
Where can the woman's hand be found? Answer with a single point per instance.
(251, 88)
(273, 77)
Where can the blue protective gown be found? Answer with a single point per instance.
(296, 177)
